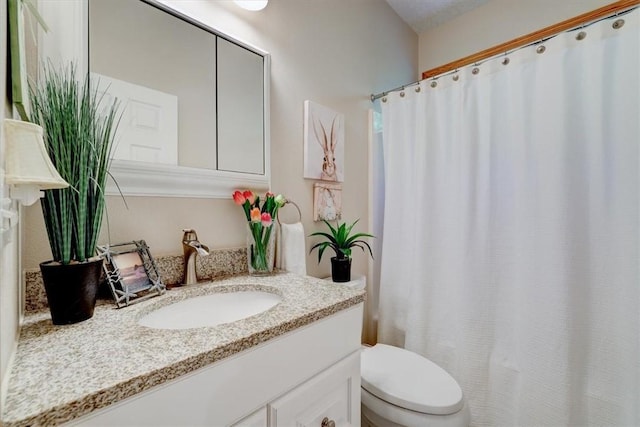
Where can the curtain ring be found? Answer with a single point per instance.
(475, 70)
(581, 35)
(540, 49)
(434, 83)
(506, 61)
(617, 24)
(384, 99)
(417, 89)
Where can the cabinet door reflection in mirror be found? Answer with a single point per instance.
(192, 97)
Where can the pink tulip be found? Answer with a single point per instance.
(266, 219)
(239, 198)
(249, 196)
(269, 194)
(255, 215)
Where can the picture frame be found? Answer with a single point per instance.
(17, 55)
(323, 143)
(131, 272)
(327, 201)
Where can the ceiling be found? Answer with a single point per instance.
(424, 14)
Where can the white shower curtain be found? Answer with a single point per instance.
(511, 230)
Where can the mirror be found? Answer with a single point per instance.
(195, 101)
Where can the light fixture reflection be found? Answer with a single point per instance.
(252, 4)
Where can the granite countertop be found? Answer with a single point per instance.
(62, 372)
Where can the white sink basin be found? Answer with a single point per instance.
(210, 310)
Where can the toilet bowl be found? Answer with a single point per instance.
(403, 389)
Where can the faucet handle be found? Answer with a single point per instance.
(189, 234)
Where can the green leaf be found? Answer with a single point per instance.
(362, 244)
(79, 136)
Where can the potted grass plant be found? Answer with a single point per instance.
(79, 133)
(341, 241)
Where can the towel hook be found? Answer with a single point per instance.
(297, 207)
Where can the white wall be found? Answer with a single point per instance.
(493, 23)
(9, 261)
(334, 52)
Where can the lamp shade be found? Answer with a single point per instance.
(252, 4)
(27, 161)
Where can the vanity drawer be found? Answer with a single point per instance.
(332, 395)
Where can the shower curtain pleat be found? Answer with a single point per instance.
(511, 247)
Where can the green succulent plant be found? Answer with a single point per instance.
(341, 240)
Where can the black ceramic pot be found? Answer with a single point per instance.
(341, 269)
(71, 290)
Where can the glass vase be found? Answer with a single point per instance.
(261, 248)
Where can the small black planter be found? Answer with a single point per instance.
(71, 290)
(341, 269)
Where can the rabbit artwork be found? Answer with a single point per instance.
(328, 144)
(324, 138)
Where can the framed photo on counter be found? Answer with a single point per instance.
(131, 272)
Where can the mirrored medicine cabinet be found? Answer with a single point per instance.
(195, 101)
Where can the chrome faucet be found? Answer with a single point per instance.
(191, 247)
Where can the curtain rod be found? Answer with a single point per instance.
(381, 94)
(605, 12)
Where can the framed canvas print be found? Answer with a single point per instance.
(18, 73)
(327, 201)
(323, 143)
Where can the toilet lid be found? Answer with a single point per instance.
(409, 380)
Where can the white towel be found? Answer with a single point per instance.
(291, 251)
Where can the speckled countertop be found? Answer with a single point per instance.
(62, 372)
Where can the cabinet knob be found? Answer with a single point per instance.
(326, 422)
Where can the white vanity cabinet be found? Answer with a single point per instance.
(296, 379)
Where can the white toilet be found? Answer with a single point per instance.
(402, 388)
